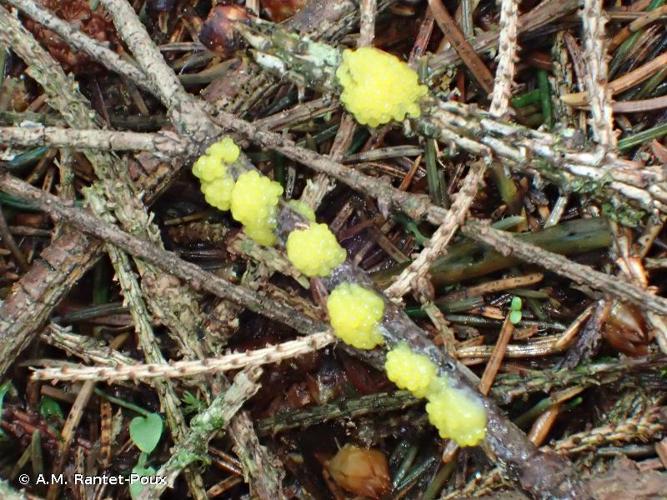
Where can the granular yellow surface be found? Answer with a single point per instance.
(409, 370)
(378, 87)
(254, 204)
(315, 251)
(456, 414)
(211, 170)
(355, 314)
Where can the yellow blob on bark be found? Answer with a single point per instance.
(225, 150)
(355, 314)
(211, 170)
(456, 413)
(409, 370)
(378, 87)
(218, 193)
(315, 251)
(254, 204)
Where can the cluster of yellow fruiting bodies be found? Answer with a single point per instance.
(211, 169)
(454, 412)
(355, 312)
(378, 87)
(254, 204)
(315, 250)
(252, 198)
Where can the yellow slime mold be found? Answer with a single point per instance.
(378, 87)
(355, 313)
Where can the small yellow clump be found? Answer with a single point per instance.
(226, 150)
(218, 193)
(208, 168)
(456, 414)
(253, 203)
(378, 87)
(409, 370)
(303, 209)
(211, 169)
(315, 251)
(355, 313)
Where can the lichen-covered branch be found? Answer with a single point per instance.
(163, 143)
(505, 442)
(263, 471)
(203, 427)
(625, 189)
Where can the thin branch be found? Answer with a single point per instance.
(506, 244)
(86, 348)
(202, 429)
(163, 143)
(185, 110)
(623, 83)
(341, 410)
(615, 180)
(544, 13)
(82, 42)
(418, 269)
(180, 369)
(507, 56)
(8, 239)
(257, 461)
(593, 18)
(467, 53)
(368, 11)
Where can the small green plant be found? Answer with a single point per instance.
(192, 404)
(50, 409)
(4, 389)
(145, 431)
(515, 310)
(141, 470)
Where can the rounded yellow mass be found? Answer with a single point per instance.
(209, 168)
(225, 150)
(355, 314)
(456, 414)
(315, 251)
(409, 370)
(378, 87)
(218, 193)
(254, 202)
